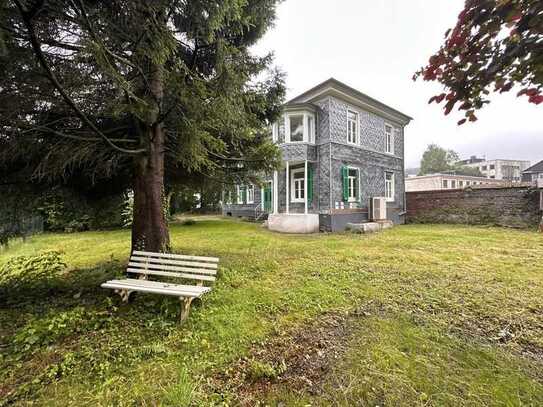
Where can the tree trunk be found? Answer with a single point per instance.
(149, 226)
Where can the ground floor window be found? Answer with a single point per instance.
(352, 183)
(297, 185)
(240, 194)
(389, 186)
(250, 194)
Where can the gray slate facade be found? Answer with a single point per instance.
(328, 151)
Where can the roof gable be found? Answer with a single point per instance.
(336, 88)
(535, 168)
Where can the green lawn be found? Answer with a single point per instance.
(416, 315)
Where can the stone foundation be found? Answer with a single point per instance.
(294, 223)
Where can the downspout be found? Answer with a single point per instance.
(330, 151)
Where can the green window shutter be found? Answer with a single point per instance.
(358, 185)
(345, 178)
(310, 184)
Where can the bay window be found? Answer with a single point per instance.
(296, 126)
(300, 128)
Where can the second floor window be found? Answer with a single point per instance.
(296, 128)
(352, 123)
(389, 139)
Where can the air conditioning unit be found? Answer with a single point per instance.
(540, 183)
(378, 208)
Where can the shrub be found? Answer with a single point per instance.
(31, 271)
(188, 222)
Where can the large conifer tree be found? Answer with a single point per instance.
(142, 90)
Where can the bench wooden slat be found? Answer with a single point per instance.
(148, 283)
(175, 256)
(176, 292)
(175, 262)
(150, 266)
(170, 274)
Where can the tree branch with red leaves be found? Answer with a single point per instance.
(495, 46)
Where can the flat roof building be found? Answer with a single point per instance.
(438, 182)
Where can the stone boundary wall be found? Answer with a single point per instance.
(515, 207)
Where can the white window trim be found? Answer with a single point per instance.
(275, 132)
(308, 137)
(357, 180)
(252, 188)
(292, 185)
(392, 131)
(239, 197)
(357, 127)
(393, 187)
(311, 130)
(287, 128)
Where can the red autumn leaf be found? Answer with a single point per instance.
(461, 122)
(536, 99)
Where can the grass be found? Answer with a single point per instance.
(447, 315)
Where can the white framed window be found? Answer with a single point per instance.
(239, 195)
(296, 128)
(389, 186)
(389, 139)
(300, 127)
(275, 132)
(453, 184)
(297, 185)
(468, 183)
(311, 128)
(352, 184)
(250, 194)
(445, 183)
(352, 127)
(460, 184)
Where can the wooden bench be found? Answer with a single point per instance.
(146, 264)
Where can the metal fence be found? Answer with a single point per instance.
(22, 227)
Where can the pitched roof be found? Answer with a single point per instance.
(349, 91)
(535, 168)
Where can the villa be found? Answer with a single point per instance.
(343, 162)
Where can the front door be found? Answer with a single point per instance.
(268, 197)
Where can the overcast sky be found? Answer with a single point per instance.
(375, 47)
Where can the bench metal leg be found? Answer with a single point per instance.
(185, 308)
(125, 294)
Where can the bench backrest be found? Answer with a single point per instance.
(173, 265)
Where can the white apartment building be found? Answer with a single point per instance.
(438, 182)
(509, 170)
